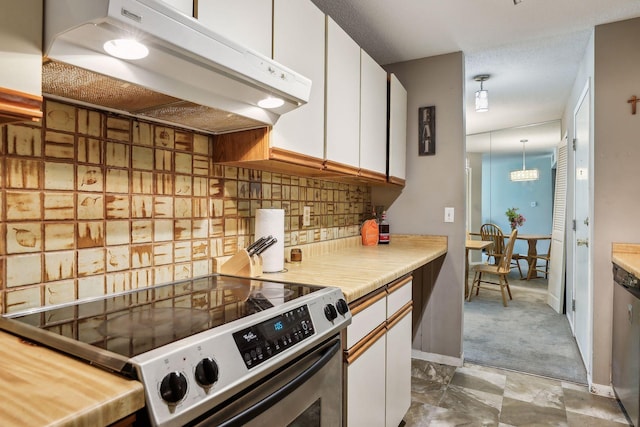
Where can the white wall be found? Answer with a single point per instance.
(583, 77)
(433, 183)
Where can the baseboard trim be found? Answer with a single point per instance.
(436, 358)
(602, 390)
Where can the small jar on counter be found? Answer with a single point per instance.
(296, 255)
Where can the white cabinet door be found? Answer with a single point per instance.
(373, 115)
(184, 6)
(342, 142)
(397, 129)
(247, 22)
(366, 387)
(398, 370)
(299, 43)
(21, 46)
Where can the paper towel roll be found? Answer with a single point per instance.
(271, 222)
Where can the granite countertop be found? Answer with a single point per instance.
(43, 387)
(363, 269)
(627, 256)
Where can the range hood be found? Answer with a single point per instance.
(191, 77)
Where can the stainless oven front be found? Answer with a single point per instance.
(307, 392)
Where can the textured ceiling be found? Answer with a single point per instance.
(531, 50)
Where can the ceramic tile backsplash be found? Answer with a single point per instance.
(95, 203)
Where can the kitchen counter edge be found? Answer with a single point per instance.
(41, 386)
(627, 256)
(363, 269)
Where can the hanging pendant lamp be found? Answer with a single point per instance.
(524, 174)
(482, 95)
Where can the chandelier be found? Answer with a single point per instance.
(524, 174)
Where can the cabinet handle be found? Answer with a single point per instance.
(399, 315)
(363, 345)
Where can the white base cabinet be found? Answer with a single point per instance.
(366, 391)
(377, 372)
(398, 373)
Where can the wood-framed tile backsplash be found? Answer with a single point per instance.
(96, 203)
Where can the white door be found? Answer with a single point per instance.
(555, 289)
(581, 314)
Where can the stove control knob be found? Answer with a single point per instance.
(173, 387)
(330, 312)
(207, 372)
(342, 306)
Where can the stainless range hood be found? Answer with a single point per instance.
(192, 77)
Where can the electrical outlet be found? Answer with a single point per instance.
(306, 216)
(448, 214)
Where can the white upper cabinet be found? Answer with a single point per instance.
(373, 117)
(299, 44)
(21, 59)
(397, 131)
(342, 143)
(184, 6)
(21, 47)
(247, 22)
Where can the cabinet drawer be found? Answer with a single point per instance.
(399, 294)
(368, 316)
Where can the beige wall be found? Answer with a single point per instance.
(96, 203)
(610, 64)
(433, 183)
(616, 170)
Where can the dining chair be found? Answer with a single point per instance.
(515, 262)
(494, 233)
(544, 268)
(499, 271)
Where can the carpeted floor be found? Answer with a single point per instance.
(527, 336)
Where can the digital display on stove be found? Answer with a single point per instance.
(264, 340)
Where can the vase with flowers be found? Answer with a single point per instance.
(515, 219)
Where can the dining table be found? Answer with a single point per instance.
(532, 252)
(470, 245)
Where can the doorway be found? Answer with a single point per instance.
(512, 337)
(580, 288)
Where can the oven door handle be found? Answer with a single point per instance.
(283, 392)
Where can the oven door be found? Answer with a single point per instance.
(305, 393)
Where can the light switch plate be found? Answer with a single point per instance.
(448, 214)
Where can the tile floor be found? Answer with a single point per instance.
(475, 395)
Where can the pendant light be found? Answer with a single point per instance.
(482, 95)
(524, 174)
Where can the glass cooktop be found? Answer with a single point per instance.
(134, 322)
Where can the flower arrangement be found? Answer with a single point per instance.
(515, 219)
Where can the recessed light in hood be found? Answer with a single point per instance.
(187, 64)
(126, 49)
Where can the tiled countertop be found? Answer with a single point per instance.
(627, 256)
(363, 269)
(43, 387)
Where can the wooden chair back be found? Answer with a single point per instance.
(494, 233)
(505, 263)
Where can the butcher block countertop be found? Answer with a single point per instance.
(41, 387)
(627, 256)
(359, 270)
